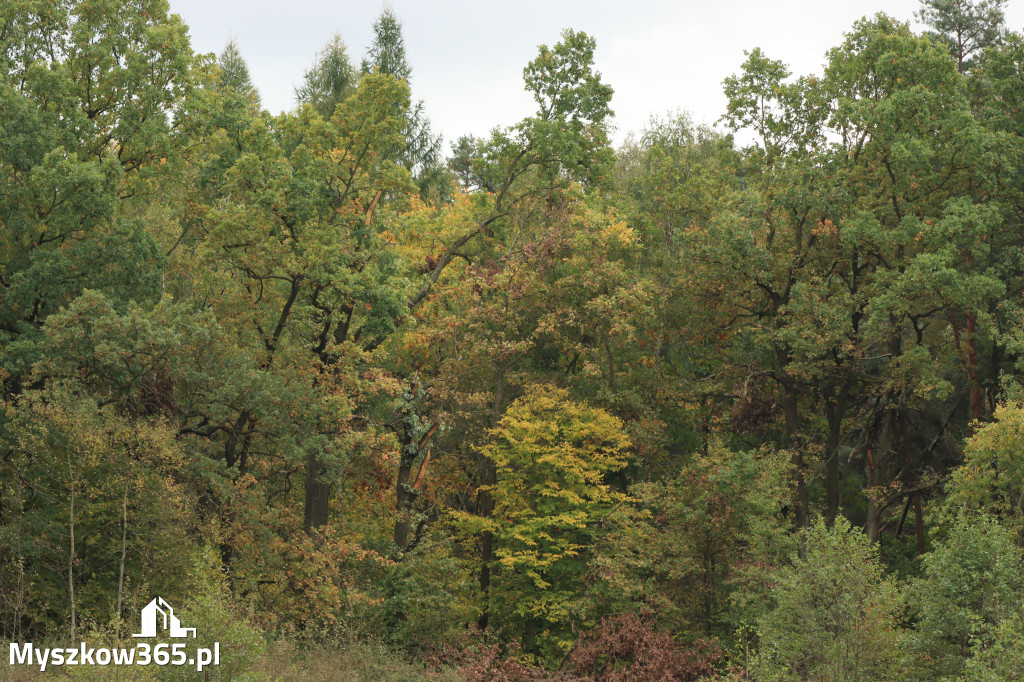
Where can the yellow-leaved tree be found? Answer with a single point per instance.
(551, 495)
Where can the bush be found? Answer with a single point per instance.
(969, 597)
(1001, 658)
(210, 610)
(835, 612)
(627, 649)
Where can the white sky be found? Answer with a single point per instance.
(467, 58)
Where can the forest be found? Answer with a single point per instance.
(363, 403)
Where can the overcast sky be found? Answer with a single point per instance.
(468, 58)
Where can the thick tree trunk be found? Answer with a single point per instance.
(530, 635)
(791, 411)
(919, 523)
(404, 498)
(406, 492)
(968, 352)
(318, 495)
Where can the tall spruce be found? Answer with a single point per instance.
(234, 72)
(330, 80)
(421, 154)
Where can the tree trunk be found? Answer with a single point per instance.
(404, 497)
(969, 356)
(790, 406)
(71, 551)
(834, 413)
(891, 432)
(919, 523)
(406, 493)
(530, 635)
(871, 478)
(124, 554)
(318, 495)
(973, 383)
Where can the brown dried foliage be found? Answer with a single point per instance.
(628, 649)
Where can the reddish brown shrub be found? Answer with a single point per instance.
(478, 662)
(628, 649)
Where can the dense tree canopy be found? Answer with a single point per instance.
(684, 409)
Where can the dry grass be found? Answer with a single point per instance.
(350, 664)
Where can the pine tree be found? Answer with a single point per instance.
(966, 27)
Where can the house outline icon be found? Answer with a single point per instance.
(151, 615)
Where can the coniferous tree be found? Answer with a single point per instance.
(330, 80)
(387, 52)
(234, 72)
(421, 154)
(965, 26)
